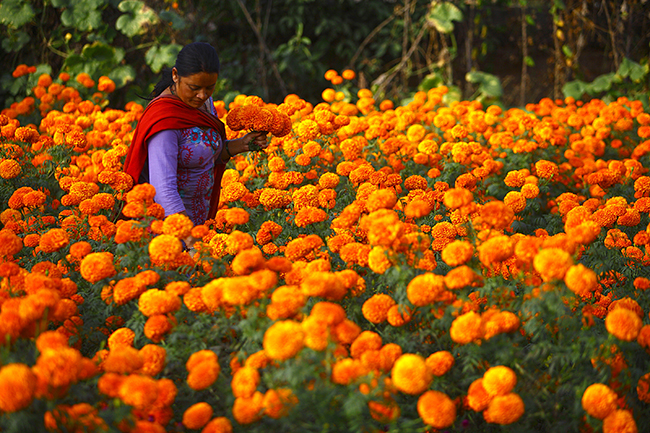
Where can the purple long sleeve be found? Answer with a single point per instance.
(163, 169)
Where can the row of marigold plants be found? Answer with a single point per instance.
(432, 266)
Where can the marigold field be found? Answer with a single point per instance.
(433, 266)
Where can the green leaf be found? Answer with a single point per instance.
(16, 41)
(15, 13)
(178, 23)
(160, 56)
(431, 81)
(489, 85)
(574, 89)
(442, 15)
(136, 19)
(630, 68)
(529, 61)
(84, 15)
(566, 50)
(603, 83)
(529, 20)
(122, 75)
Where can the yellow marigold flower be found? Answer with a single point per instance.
(283, 340)
(410, 374)
(178, 225)
(248, 410)
(499, 380)
(245, 381)
(466, 328)
(439, 363)
(457, 253)
(378, 259)
(218, 425)
(97, 266)
(552, 263)
(436, 409)
(425, 289)
(138, 391)
(278, 402)
(477, 397)
(599, 400)
(375, 309)
(197, 415)
(415, 133)
(155, 301)
(623, 323)
(504, 409)
(619, 421)
(17, 387)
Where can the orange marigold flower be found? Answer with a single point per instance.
(495, 250)
(410, 374)
(515, 200)
(436, 409)
(546, 169)
(425, 289)
(366, 340)
(153, 359)
(499, 380)
(9, 169)
(457, 253)
(623, 323)
(17, 387)
(347, 370)
(197, 415)
(155, 301)
(165, 248)
(178, 225)
(477, 397)
(138, 391)
(248, 410)
(439, 363)
(218, 425)
(496, 214)
(552, 263)
(53, 240)
(245, 381)
(581, 280)
(398, 315)
(278, 402)
(599, 400)
(504, 409)
(283, 340)
(203, 368)
(619, 421)
(375, 309)
(466, 328)
(121, 337)
(157, 326)
(97, 266)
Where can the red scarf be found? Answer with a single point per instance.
(169, 112)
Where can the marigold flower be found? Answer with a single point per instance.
(153, 358)
(245, 381)
(375, 309)
(499, 380)
(278, 402)
(620, 420)
(17, 387)
(436, 409)
(283, 340)
(410, 374)
(197, 415)
(466, 328)
(203, 368)
(157, 326)
(546, 169)
(121, 337)
(248, 410)
(218, 425)
(425, 289)
(122, 359)
(178, 225)
(477, 397)
(599, 400)
(9, 169)
(581, 280)
(457, 253)
(347, 370)
(623, 323)
(138, 391)
(97, 266)
(439, 363)
(504, 409)
(155, 301)
(552, 263)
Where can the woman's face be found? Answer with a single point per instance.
(194, 89)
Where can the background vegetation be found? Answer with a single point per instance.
(510, 50)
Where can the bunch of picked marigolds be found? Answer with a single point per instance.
(435, 266)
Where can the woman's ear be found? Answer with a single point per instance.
(175, 75)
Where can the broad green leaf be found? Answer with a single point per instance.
(442, 15)
(16, 41)
(529, 61)
(574, 89)
(630, 68)
(15, 13)
(85, 15)
(431, 81)
(136, 19)
(178, 23)
(489, 85)
(603, 83)
(159, 56)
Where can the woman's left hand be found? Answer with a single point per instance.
(252, 141)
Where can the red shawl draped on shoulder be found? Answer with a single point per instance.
(169, 112)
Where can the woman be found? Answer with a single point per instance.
(179, 145)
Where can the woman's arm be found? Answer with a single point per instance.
(163, 165)
(241, 144)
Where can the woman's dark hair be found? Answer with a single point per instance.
(192, 59)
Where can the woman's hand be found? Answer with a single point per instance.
(252, 141)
